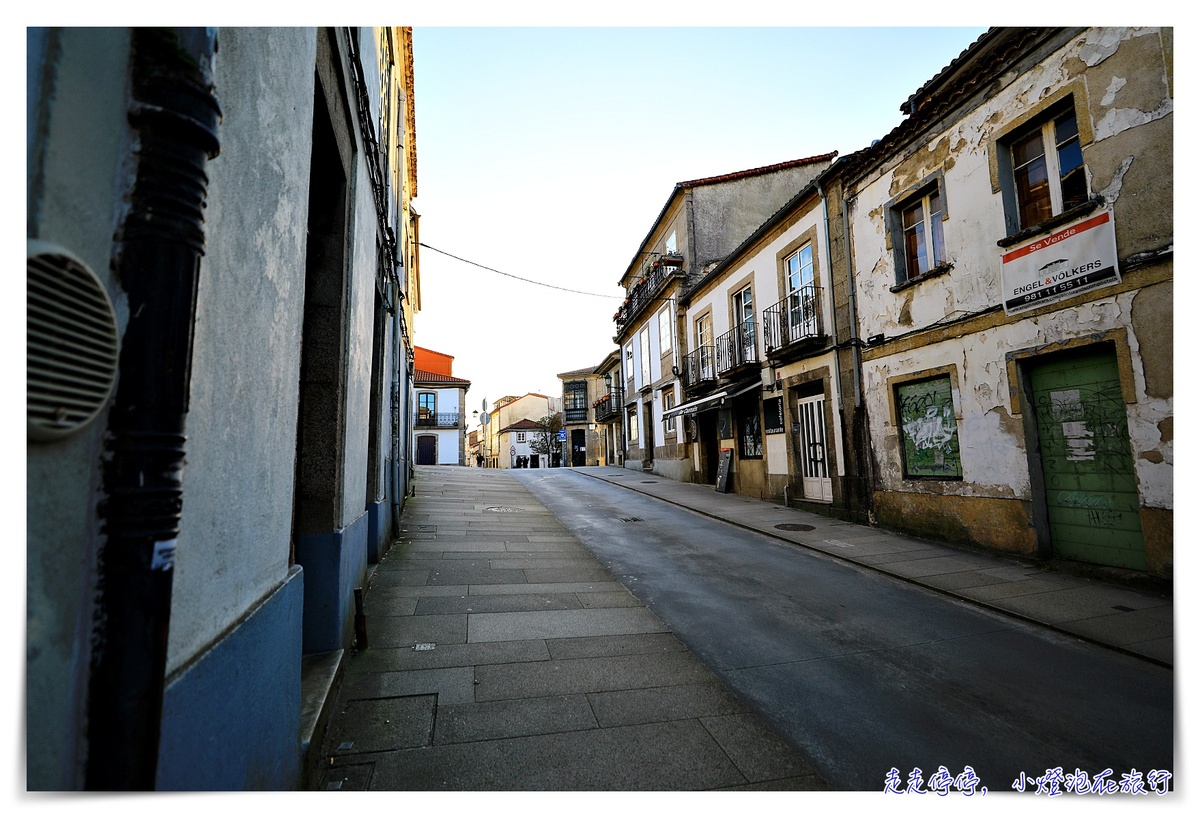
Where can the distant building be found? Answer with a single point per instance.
(702, 221)
(502, 425)
(440, 419)
(583, 392)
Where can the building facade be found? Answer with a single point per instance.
(1012, 252)
(585, 442)
(501, 426)
(243, 338)
(440, 418)
(701, 223)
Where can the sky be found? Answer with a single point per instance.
(547, 153)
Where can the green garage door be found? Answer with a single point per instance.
(1091, 488)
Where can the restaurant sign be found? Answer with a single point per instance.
(1079, 257)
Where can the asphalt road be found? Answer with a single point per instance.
(864, 673)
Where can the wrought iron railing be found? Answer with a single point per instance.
(438, 420)
(737, 347)
(609, 406)
(795, 318)
(699, 367)
(644, 291)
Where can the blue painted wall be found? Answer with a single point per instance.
(231, 719)
(334, 565)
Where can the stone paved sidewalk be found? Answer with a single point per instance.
(503, 656)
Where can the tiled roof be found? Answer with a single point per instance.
(521, 425)
(744, 174)
(422, 377)
(575, 373)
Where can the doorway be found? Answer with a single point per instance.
(1091, 494)
(427, 450)
(814, 461)
(578, 447)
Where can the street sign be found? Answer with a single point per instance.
(512, 450)
(562, 434)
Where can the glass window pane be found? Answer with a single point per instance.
(913, 215)
(1028, 149)
(806, 266)
(939, 245)
(1033, 193)
(1065, 128)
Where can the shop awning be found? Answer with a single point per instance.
(691, 407)
(717, 399)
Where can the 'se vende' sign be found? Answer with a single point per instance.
(1079, 257)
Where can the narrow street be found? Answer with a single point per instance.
(862, 672)
(554, 629)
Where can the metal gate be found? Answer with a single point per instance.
(1092, 499)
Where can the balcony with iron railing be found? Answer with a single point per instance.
(698, 368)
(436, 420)
(609, 406)
(793, 320)
(737, 348)
(653, 280)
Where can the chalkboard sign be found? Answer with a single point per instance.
(723, 466)
(773, 416)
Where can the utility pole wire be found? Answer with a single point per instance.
(510, 275)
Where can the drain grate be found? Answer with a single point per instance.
(632, 520)
(649, 481)
(503, 509)
(1122, 608)
(796, 527)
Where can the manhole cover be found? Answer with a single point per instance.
(795, 527)
(502, 508)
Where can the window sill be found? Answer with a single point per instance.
(939, 270)
(1050, 224)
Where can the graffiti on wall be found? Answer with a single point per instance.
(929, 431)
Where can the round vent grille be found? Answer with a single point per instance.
(71, 343)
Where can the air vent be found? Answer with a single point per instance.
(71, 343)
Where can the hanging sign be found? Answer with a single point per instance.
(1076, 258)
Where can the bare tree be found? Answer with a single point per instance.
(545, 437)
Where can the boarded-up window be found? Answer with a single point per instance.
(928, 429)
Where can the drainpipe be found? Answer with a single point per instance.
(174, 115)
(856, 356)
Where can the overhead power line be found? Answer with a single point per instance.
(510, 275)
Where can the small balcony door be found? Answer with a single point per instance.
(743, 319)
(814, 465)
(704, 345)
(801, 295)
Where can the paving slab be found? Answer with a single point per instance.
(504, 657)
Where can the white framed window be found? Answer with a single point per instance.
(629, 362)
(520, 437)
(671, 246)
(668, 403)
(664, 331)
(1047, 168)
(631, 424)
(921, 223)
(644, 343)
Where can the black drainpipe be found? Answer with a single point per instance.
(174, 115)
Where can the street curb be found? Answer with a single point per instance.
(909, 580)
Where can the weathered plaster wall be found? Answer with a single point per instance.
(1125, 79)
(237, 484)
(74, 197)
